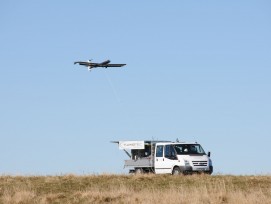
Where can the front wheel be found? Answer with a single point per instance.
(176, 171)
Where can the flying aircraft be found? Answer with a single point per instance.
(90, 65)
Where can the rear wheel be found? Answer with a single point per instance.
(176, 171)
(138, 171)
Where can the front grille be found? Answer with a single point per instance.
(199, 163)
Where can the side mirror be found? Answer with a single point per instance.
(209, 154)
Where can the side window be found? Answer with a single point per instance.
(170, 152)
(159, 151)
(167, 151)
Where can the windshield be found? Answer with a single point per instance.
(189, 149)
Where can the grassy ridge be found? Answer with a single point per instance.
(135, 189)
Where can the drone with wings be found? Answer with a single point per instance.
(105, 64)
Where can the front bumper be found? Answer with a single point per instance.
(204, 170)
(186, 169)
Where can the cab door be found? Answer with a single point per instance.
(170, 158)
(161, 165)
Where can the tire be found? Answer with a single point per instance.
(138, 171)
(176, 171)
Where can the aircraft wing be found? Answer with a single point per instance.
(84, 63)
(114, 65)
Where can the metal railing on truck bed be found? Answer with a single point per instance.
(140, 162)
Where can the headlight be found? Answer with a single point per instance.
(186, 162)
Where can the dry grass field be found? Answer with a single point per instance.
(135, 189)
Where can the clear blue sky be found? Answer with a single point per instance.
(196, 70)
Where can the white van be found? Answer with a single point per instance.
(164, 157)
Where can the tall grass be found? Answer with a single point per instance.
(135, 189)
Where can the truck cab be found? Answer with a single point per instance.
(183, 158)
